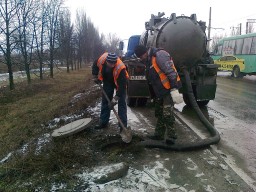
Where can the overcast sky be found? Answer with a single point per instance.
(127, 17)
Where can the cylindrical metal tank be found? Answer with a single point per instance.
(182, 37)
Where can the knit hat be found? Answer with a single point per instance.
(112, 58)
(140, 50)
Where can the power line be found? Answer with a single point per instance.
(236, 19)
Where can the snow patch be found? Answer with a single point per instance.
(224, 74)
(211, 162)
(228, 74)
(230, 180)
(19, 74)
(199, 175)
(214, 158)
(95, 110)
(100, 172)
(153, 177)
(77, 96)
(67, 119)
(86, 93)
(192, 165)
(24, 148)
(41, 142)
(224, 167)
(6, 157)
(209, 188)
(57, 187)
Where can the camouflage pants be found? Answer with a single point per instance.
(165, 117)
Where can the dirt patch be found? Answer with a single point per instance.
(32, 160)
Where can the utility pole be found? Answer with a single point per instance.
(233, 31)
(249, 22)
(209, 28)
(240, 29)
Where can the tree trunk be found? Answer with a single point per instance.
(72, 67)
(8, 49)
(51, 59)
(11, 82)
(67, 62)
(25, 56)
(41, 52)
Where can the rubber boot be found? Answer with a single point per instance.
(171, 135)
(159, 131)
(101, 126)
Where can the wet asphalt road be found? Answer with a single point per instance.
(234, 113)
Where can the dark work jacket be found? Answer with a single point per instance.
(164, 63)
(108, 77)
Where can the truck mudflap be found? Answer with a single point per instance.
(206, 81)
(204, 84)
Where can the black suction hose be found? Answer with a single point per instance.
(203, 143)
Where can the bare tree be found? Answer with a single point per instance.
(89, 42)
(82, 36)
(53, 8)
(112, 42)
(65, 36)
(215, 40)
(99, 46)
(26, 36)
(92, 35)
(8, 13)
(39, 25)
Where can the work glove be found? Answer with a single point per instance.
(96, 80)
(113, 102)
(176, 96)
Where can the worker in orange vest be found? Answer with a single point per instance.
(165, 81)
(110, 70)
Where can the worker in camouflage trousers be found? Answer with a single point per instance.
(165, 81)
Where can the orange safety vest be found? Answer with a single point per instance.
(119, 66)
(164, 79)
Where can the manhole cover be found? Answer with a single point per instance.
(72, 128)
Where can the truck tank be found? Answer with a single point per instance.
(182, 37)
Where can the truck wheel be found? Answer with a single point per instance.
(142, 102)
(236, 72)
(131, 102)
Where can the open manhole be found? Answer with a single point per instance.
(112, 142)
